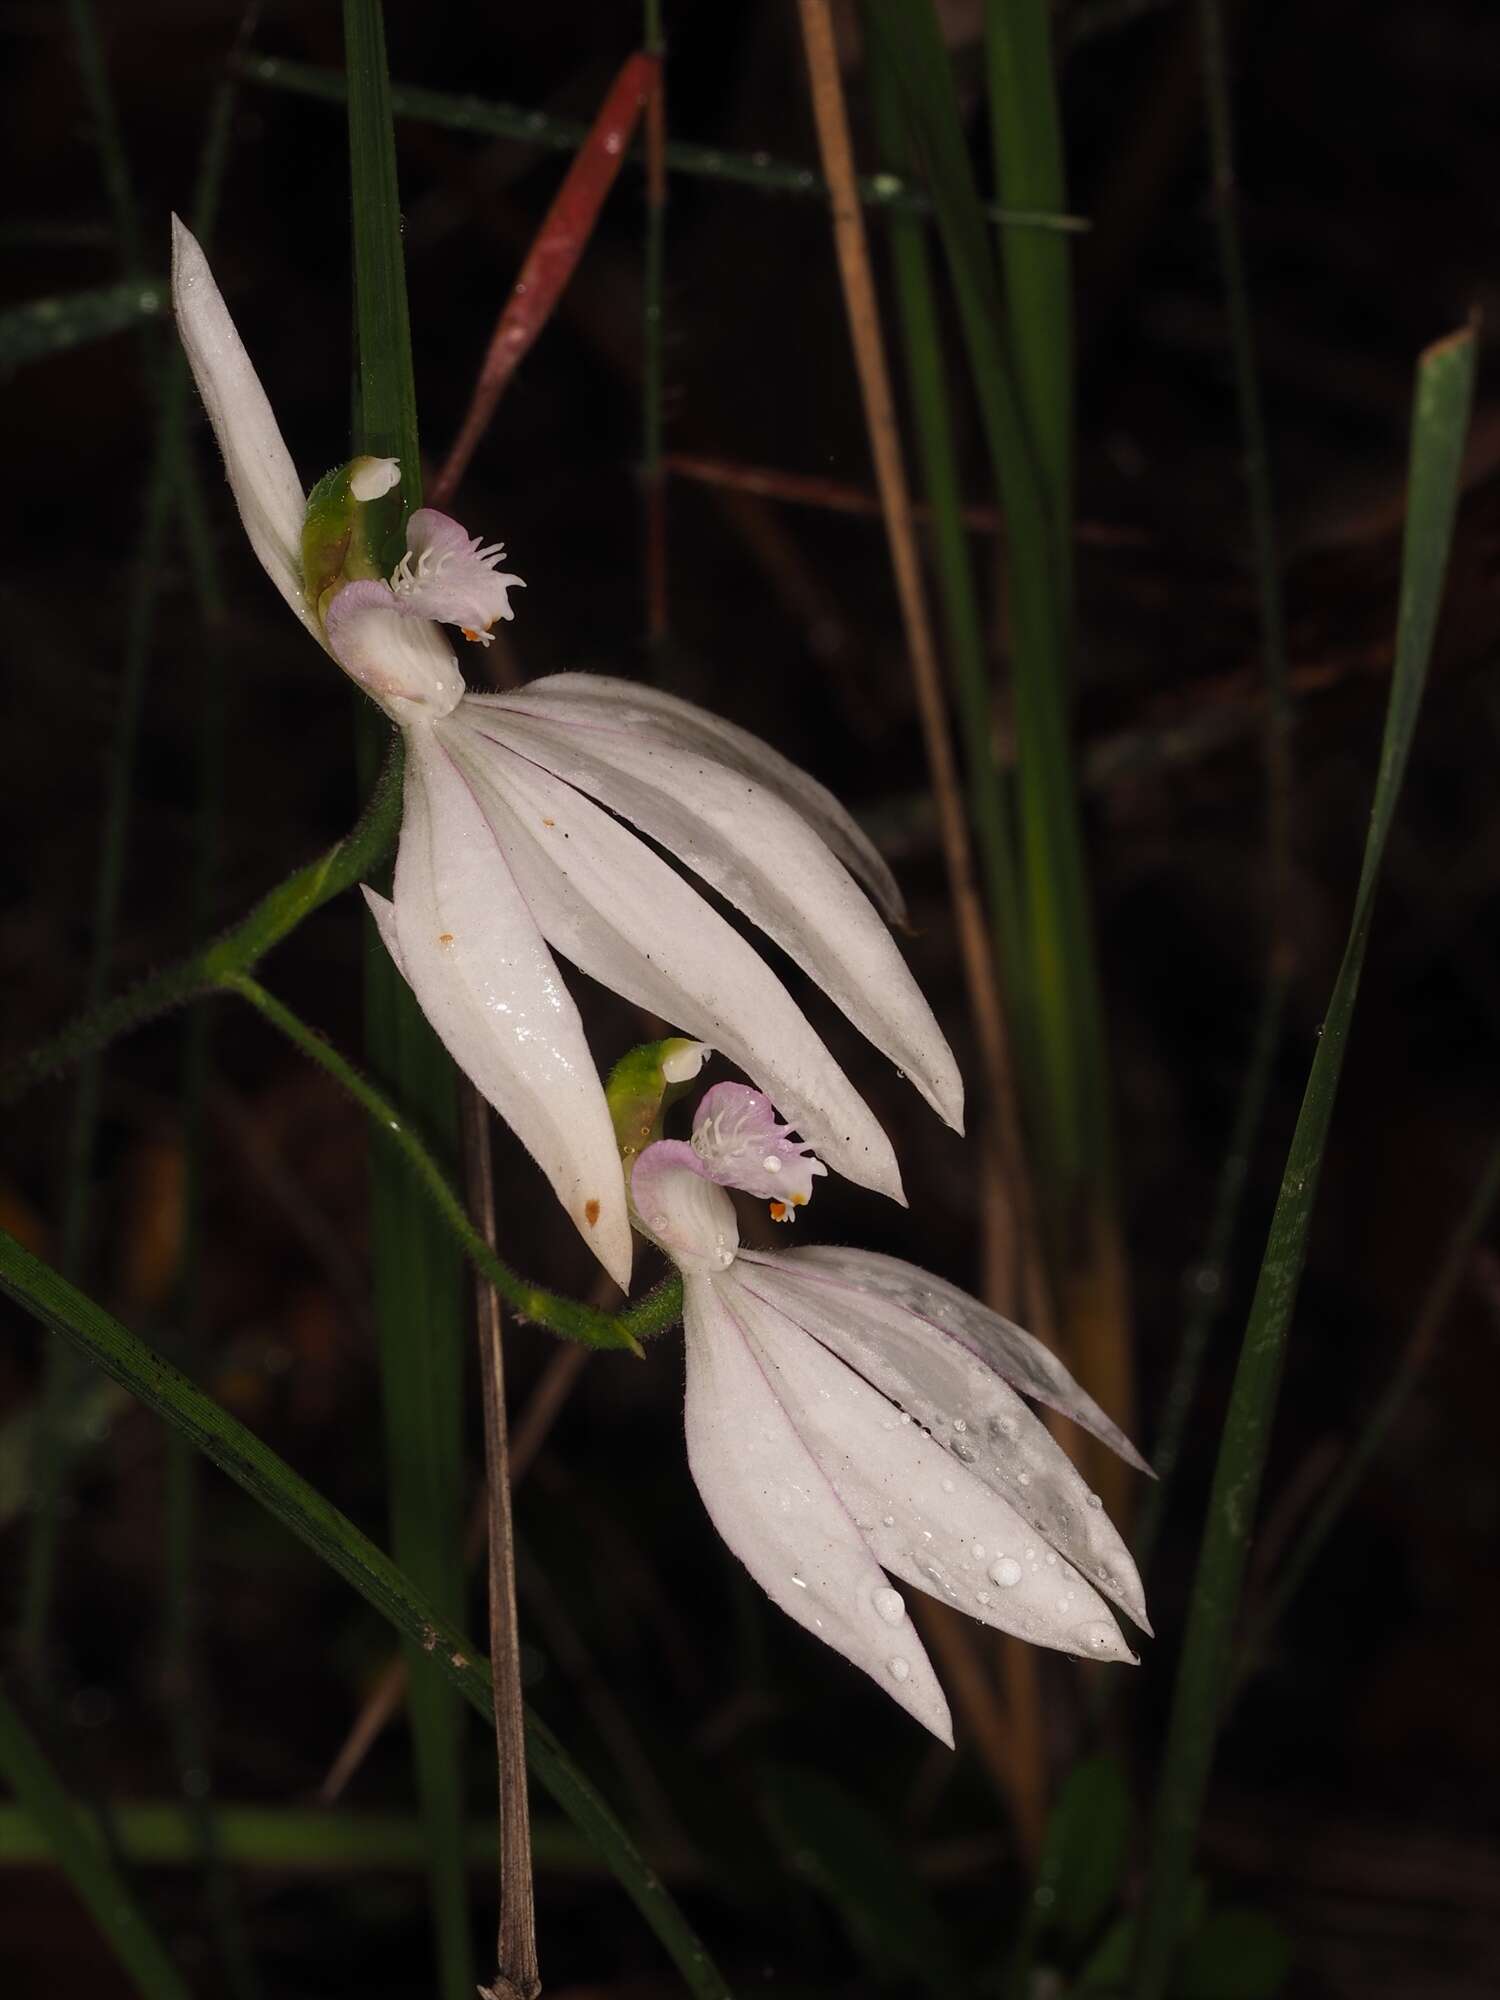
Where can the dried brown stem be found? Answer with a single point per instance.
(517, 1976)
(839, 496)
(1014, 1756)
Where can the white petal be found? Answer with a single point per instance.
(690, 1217)
(446, 575)
(261, 474)
(743, 1144)
(679, 724)
(763, 856)
(399, 657)
(383, 910)
(778, 1513)
(923, 1513)
(1017, 1355)
(957, 1397)
(607, 902)
(489, 986)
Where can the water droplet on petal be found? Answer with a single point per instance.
(947, 1485)
(888, 1520)
(899, 1670)
(959, 1424)
(890, 1606)
(1095, 1502)
(1005, 1572)
(977, 1551)
(800, 1583)
(1023, 1478)
(1100, 1636)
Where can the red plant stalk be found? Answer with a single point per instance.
(553, 256)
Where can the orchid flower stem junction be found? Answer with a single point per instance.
(226, 966)
(657, 1311)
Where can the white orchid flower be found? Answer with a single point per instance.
(516, 839)
(849, 1415)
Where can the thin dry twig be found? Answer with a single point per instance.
(517, 1976)
(841, 496)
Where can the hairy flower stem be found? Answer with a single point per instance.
(225, 966)
(658, 1310)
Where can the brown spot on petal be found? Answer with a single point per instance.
(591, 1211)
(445, 937)
(549, 822)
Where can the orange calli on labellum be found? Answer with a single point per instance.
(520, 837)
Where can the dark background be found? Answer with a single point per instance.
(1353, 1795)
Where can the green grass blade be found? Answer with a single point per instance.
(1070, 1069)
(593, 1328)
(461, 113)
(44, 327)
(1065, 1074)
(1325, 1517)
(85, 1861)
(335, 1540)
(831, 1840)
(154, 1833)
(1444, 395)
(1210, 1274)
(1026, 136)
(419, 1294)
(953, 563)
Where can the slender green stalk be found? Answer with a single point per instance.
(1070, 1116)
(240, 949)
(1026, 136)
(576, 1322)
(1257, 465)
(89, 54)
(162, 1834)
(1210, 1274)
(48, 326)
(51, 1455)
(85, 1861)
(1452, 1267)
(336, 1541)
(926, 377)
(1065, 1075)
(566, 135)
(221, 967)
(188, 1703)
(419, 1304)
(1444, 395)
(52, 1458)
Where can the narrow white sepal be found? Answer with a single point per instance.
(761, 854)
(675, 723)
(607, 902)
(383, 910)
(959, 1399)
(261, 474)
(1012, 1352)
(486, 981)
(777, 1511)
(924, 1515)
